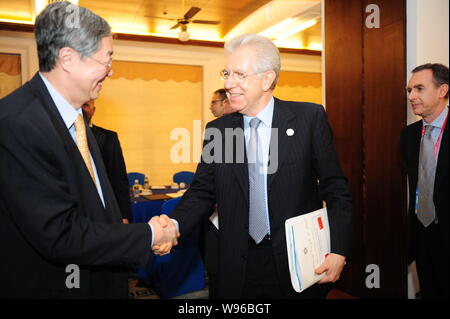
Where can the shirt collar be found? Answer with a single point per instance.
(65, 109)
(265, 115)
(439, 121)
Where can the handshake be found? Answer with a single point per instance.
(165, 234)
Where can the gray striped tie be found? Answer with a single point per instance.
(258, 223)
(427, 171)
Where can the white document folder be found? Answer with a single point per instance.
(214, 218)
(308, 243)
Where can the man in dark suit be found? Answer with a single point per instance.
(61, 234)
(303, 171)
(428, 177)
(109, 145)
(209, 244)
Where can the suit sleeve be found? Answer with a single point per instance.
(41, 201)
(198, 201)
(332, 186)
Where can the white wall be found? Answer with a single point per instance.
(427, 36)
(427, 42)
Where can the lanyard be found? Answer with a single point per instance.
(436, 146)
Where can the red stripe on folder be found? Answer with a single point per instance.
(319, 220)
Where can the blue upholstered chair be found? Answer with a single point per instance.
(183, 177)
(133, 176)
(182, 271)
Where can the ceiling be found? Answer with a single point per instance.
(156, 17)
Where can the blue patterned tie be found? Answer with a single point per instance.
(427, 171)
(258, 223)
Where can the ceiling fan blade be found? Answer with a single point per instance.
(205, 21)
(192, 12)
(175, 26)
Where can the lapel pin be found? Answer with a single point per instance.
(289, 132)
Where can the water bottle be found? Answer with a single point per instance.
(146, 184)
(136, 188)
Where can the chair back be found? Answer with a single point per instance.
(133, 176)
(183, 177)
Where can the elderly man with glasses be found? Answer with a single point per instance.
(61, 230)
(255, 197)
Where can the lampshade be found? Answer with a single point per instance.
(183, 36)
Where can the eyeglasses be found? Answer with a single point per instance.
(108, 64)
(225, 74)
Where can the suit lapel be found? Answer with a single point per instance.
(96, 154)
(281, 143)
(280, 121)
(40, 90)
(414, 150)
(240, 169)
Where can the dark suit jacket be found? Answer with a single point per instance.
(50, 212)
(304, 158)
(109, 145)
(209, 246)
(410, 143)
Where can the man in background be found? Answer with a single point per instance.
(109, 145)
(425, 151)
(220, 104)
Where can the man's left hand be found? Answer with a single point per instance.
(332, 265)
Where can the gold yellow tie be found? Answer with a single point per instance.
(82, 144)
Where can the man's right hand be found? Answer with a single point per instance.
(165, 234)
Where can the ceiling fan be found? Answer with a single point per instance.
(185, 20)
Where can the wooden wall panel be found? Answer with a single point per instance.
(365, 80)
(344, 94)
(384, 112)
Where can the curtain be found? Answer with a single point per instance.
(10, 73)
(144, 103)
(299, 86)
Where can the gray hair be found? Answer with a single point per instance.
(268, 56)
(62, 24)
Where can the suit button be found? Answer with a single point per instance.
(244, 257)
